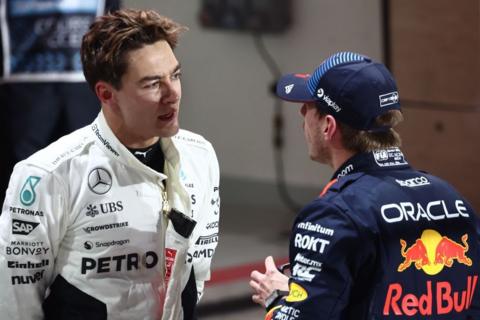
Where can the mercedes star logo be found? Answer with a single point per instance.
(99, 180)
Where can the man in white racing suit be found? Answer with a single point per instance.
(119, 219)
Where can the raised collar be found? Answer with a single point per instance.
(384, 159)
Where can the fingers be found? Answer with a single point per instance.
(255, 286)
(270, 264)
(257, 299)
(257, 276)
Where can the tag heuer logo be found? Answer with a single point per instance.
(27, 194)
(99, 181)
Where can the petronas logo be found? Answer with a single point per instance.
(27, 194)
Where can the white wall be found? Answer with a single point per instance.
(225, 82)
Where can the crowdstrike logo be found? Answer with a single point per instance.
(325, 98)
(289, 88)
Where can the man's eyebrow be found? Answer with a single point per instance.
(158, 77)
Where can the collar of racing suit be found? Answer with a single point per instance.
(376, 160)
(178, 197)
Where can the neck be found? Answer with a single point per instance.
(126, 135)
(339, 157)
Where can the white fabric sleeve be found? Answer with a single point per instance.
(31, 228)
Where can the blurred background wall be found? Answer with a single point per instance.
(432, 47)
(226, 89)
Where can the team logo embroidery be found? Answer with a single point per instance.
(432, 252)
(289, 88)
(27, 194)
(91, 211)
(99, 181)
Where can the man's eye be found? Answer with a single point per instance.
(152, 85)
(176, 75)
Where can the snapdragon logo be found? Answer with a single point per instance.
(332, 104)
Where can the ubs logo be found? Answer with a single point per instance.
(99, 181)
(108, 207)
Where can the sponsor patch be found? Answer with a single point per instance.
(104, 227)
(99, 181)
(389, 157)
(297, 293)
(204, 240)
(23, 227)
(27, 212)
(388, 99)
(27, 194)
(432, 252)
(413, 182)
(437, 298)
(415, 211)
(310, 243)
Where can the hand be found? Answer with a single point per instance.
(263, 284)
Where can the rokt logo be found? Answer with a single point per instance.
(432, 252)
(27, 194)
(99, 181)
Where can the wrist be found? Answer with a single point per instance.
(274, 297)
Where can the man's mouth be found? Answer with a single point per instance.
(167, 117)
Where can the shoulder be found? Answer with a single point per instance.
(194, 147)
(61, 151)
(188, 138)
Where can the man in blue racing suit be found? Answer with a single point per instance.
(382, 241)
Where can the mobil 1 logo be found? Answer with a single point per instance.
(23, 227)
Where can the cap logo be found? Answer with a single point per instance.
(388, 99)
(289, 88)
(332, 104)
(320, 93)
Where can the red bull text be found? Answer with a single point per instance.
(431, 253)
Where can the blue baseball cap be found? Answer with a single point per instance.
(349, 86)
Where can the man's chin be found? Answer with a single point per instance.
(169, 133)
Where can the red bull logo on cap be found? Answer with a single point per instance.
(432, 252)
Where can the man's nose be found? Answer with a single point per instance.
(171, 93)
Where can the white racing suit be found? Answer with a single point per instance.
(82, 234)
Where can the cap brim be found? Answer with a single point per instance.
(293, 87)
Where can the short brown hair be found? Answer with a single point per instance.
(113, 35)
(366, 141)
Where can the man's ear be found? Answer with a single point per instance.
(331, 127)
(105, 93)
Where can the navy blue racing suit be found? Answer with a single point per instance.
(383, 241)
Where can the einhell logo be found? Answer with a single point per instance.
(432, 252)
